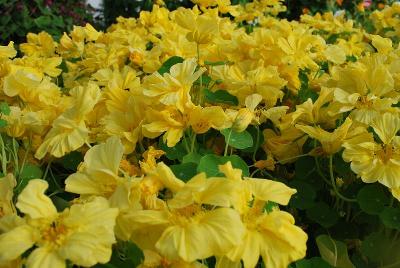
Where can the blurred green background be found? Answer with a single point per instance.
(19, 17)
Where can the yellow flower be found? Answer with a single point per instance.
(82, 233)
(374, 161)
(366, 88)
(284, 146)
(170, 121)
(149, 157)
(7, 185)
(173, 88)
(202, 119)
(69, 131)
(335, 54)
(272, 235)
(8, 51)
(246, 78)
(201, 28)
(331, 141)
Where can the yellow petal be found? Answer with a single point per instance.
(45, 258)
(33, 202)
(16, 242)
(268, 190)
(215, 233)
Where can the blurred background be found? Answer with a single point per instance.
(18, 17)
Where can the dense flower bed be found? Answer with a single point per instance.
(214, 136)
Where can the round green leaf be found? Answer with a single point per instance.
(374, 246)
(305, 195)
(166, 66)
(184, 171)
(322, 214)
(210, 162)
(315, 262)
(391, 217)
(29, 172)
(372, 199)
(238, 140)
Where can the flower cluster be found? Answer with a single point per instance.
(167, 114)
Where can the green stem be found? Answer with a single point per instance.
(334, 182)
(193, 142)
(257, 141)
(25, 155)
(186, 144)
(3, 156)
(319, 171)
(291, 158)
(15, 154)
(46, 170)
(227, 142)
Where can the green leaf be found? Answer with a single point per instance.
(238, 140)
(173, 153)
(220, 96)
(372, 199)
(315, 262)
(28, 173)
(333, 252)
(184, 171)
(374, 246)
(304, 167)
(391, 217)
(210, 162)
(322, 214)
(3, 123)
(192, 158)
(60, 203)
(166, 66)
(72, 160)
(4, 108)
(305, 92)
(305, 195)
(134, 253)
(256, 145)
(43, 21)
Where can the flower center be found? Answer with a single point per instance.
(364, 102)
(54, 234)
(386, 153)
(186, 215)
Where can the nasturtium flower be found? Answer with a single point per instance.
(7, 184)
(82, 233)
(377, 161)
(173, 88)
(331, 141)
(271, 235)
(185, 229)
(8, 51)
(202, 28)
(69, 131)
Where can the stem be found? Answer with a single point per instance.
(199, 97)
(227, 142)
(291, 158)
(186, 144)
(319, 171)
(3, 156)
(257, 139)
(15, 154)
(334, 183)
(25, 155)
(46, 170)
(193, 142)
